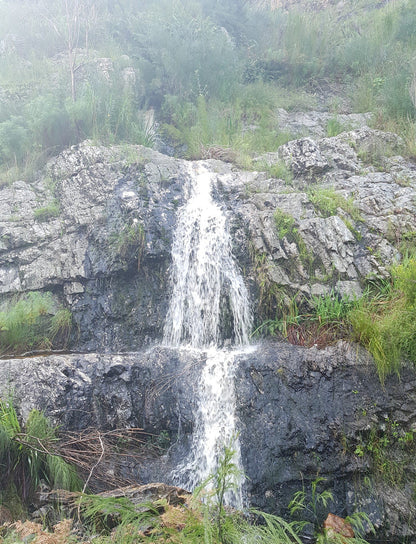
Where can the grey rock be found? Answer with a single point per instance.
(300, 413)
(314, 123)
(120, 304)
(303, 157)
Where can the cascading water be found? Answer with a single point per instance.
(204, 271)
(205, 279)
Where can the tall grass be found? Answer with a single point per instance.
(27, 454)
(32, 321)
(386, 324)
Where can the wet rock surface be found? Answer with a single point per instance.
(96, 228)
(300, 413)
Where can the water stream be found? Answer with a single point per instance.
(207, 288)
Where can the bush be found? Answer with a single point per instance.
(31, 322)
(386, 324)
(28, 455)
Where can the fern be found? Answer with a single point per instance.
(104, 513)
(29, 455)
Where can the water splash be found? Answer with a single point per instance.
(205, 279)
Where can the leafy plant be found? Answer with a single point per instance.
(28, 454)
(311, 504)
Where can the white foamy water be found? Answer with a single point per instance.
(205, 278)
(204, 274)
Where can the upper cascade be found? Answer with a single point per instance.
(204, 275)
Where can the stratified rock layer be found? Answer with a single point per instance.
(301, 413)
(117, 286)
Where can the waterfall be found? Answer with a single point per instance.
(204, 274)
(204, 280)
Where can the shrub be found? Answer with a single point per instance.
(27, 454)
(47, 212)
(32, 322)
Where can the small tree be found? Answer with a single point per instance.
(71, 22)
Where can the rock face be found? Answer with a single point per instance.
(88, 254)
(301, 413)
(96, 229)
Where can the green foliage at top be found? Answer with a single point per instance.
(213, 73)
(32, 321)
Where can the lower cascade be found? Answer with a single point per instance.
(205, 279)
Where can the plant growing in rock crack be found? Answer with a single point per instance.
(311, 504)
(31, 321)
(45, 213)
(129, 242)
(334, 127)
(390, 449)
(328, 201)
(285, 225)
(278, 170)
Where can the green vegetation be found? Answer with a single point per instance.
(285, 225)
(385, 322)
(383, 319)
(32, 322)
(327, 201)
(334, 127)
(317, 320)
(277, 170)
(390, 450)
(48, 212)
(28, 455)
(209, 521)
(199, 74)
(129, 242)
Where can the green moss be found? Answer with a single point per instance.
(47, 212)
(327, 201)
